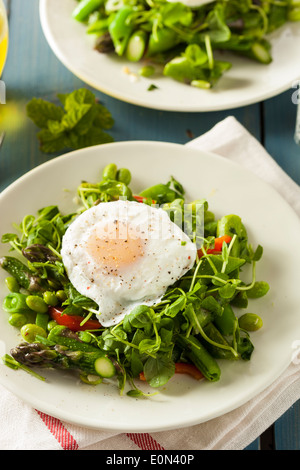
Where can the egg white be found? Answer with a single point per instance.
(192, 3)
(164, 253)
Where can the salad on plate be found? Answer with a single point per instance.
(131, 288)
(188, 41)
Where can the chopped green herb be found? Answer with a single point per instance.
(80, 121)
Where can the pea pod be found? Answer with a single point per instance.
(232, 225)
(226, 322)
(161, 193)
(218, 353)
(16, 303)
(24, 277)
(85, 8)
(200, 357)
(136, 46)
(163, 40)
(120, 29)
(65, 337)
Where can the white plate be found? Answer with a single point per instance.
(246, 83)
(229, 189)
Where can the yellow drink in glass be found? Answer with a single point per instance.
(3, 36)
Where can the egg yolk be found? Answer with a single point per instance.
(115, 246)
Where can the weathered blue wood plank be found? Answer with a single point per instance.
(279, 124)
(33, 70)
(287, 429)
(279, 127)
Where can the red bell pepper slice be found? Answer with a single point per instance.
(142, 199)
(73, 322)
(182, 368)
(218, 246)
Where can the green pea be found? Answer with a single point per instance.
(37, 304)
(50, 298)
(61, 295)
(18, 320)
(51, 325)
(85, 336)
(110, 172)
(124, 176)
(250, 322)
(146, 71)
(30, 331)
(12, 284)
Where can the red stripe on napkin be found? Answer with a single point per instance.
(145, 441)
(60, 433)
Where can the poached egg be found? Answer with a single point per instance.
(123, 254)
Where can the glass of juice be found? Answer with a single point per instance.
(3, 36)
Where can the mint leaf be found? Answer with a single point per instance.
(80, 121)
(41, 111)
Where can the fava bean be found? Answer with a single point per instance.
(250, 322)
(12, 284)
(61, 295)
(259, 289)
(110, 172)
(50, 298)
(124, 176)
(17, 319)
(37, 304)
(30, 331)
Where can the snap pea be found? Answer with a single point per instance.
(120, 29)
(160, 193)
(231, 225)
(163, 40)
(36, 303)
(250, 322)
(217, 352)
(85, 8)
(22, 274)
(42, 320)
(226, 322)
(136, 46)
(65, 337)
(200, 357)
(15, 303)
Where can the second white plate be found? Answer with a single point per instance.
(246, 83)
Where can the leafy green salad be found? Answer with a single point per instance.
(201, 321)
(185, 43)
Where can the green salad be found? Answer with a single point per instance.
(184, 43)
(201, 321)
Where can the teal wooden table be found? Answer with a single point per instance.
(33, 70)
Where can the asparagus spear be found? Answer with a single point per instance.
(60, 357)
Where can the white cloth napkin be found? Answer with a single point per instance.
(23, 428)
